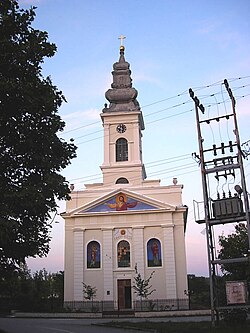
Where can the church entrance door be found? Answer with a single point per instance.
(124, 294)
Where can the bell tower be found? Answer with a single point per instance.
(123, 124)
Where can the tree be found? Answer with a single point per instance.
(89, 293)
(47, 290)
(198, 292)
(141, 286)
(40, 291)
(58, 285)
(15, 289)
(31, 154)
(235, 246)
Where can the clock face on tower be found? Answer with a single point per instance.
(121, 128)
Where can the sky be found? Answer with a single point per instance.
(171, 46)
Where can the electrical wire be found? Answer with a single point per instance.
(150, 122)
(225, 108)
(163, 100)
(179, 168)
(148, 165)
(136, 178)
(153, 121)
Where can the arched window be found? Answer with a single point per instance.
(154, 253)
(122, 180)
(93, 255)
(123, 254)
(121, 150)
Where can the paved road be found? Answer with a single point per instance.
(71, 325)
(49, 325)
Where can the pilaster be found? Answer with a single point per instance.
(108, 265)
(78, 264)
(139, 257)
(169, 261)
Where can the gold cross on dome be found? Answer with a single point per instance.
(121, 39)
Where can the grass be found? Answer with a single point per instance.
(173, 327)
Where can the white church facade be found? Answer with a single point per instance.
(126, 221)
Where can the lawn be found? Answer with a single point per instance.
(173, 327)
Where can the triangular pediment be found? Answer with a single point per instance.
(123, 200)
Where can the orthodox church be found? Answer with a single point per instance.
(127, 224)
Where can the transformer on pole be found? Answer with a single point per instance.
(220, 163)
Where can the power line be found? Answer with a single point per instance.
(149, 164)
(170, 170)
(77, 128)
(166, 99)
(166, 117)
(159, 172)
(155, 174)
(163, 118)
(171, 116)
(170, 176)
(147, 123)
(82, 136)
(178, 158)
(168, 108)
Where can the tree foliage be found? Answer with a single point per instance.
(88, 291)
(235, 245)
(24, 291)
(198, 287)
(141, 286)
(31, 154)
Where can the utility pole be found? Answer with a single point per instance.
(220, 162)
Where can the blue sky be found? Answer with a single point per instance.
(171, 46)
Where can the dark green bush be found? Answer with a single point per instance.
(234, 316)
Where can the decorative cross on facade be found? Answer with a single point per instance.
(121, 39)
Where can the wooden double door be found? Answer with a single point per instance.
(124, 294)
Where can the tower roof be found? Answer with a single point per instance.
(122, 96)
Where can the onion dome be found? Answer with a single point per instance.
(122, 96)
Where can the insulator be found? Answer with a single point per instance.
(201, 107)
(226, 83)
(231, 147)
(214, 148)
(222, 148)
(191, 93)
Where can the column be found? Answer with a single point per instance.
(78, 264)
(107, 253)
(169, 261)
